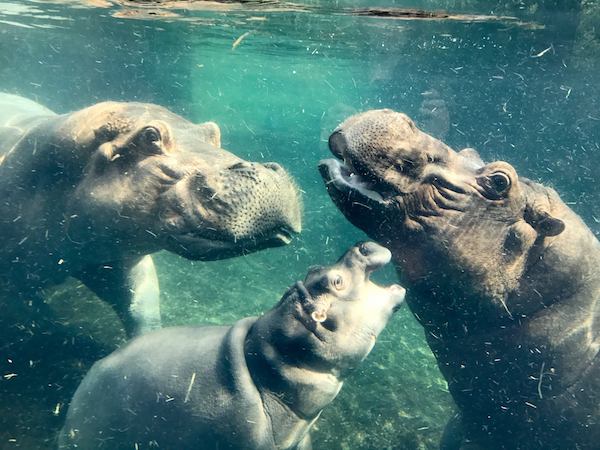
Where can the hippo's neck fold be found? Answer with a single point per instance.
(295, 392)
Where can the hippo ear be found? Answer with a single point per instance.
(212, 133)
(103, 139)
(105, 133)
(472, 154)
(543, 222)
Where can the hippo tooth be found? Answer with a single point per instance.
(318, 316)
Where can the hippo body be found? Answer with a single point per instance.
(503, 277)
(259, 384)
(93, 193)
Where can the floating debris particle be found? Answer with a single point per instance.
(543, 52)
(239, 40)
(189, 389)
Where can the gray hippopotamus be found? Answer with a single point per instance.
(92, 193)
(259, 384)
(504, 278)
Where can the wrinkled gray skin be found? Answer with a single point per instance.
(92, 193)
(259, 384)
(503, 276)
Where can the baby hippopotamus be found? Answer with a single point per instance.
(259, 384)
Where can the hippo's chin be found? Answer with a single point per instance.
(197, 248)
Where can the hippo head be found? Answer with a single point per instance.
(333, 318)
(457, 227)
(153, 180)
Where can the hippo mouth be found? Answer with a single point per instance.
(341, 178)
(345, 178)
(194, 247)
(362, 201)
(238, 214)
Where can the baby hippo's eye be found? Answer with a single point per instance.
(338, 282)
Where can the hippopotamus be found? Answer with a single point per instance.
(502, 275)
(259, 384)
(91, 194)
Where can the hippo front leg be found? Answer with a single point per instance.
(131, 289)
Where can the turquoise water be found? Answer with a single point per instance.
(277, 82)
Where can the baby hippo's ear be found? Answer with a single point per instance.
(542, 222)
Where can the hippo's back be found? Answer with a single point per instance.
(17, 115)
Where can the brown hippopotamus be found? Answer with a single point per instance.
(92, 193)
(504, 278)
(259, 384)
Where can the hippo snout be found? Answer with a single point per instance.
(369, 255)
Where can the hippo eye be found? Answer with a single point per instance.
(337, 282)
(500, 182)
(151, 135)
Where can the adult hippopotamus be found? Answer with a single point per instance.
(92, 193)
(259, 384)
(504, 278)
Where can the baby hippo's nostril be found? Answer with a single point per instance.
(376, 255)
(365, 248)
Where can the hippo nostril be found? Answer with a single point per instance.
(337, 143)
(242, 165)
(364, 249)
(375, 254)
(273, 166)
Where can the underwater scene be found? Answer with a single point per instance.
(499, 332)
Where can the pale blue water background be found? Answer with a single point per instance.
(277, 96)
